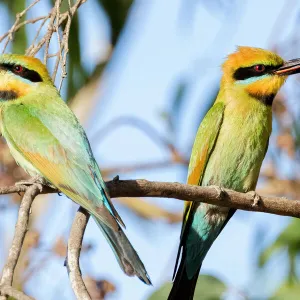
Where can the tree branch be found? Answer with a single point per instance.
(244, 201)
(144, 188)
(74, 248)
(23, 188)
(20, 232)
(128, 188)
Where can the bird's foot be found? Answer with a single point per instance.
(33, 180)
(221, 192)
(256, 198)
(37, 180)
(116, 178)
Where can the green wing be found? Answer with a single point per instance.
(204, 143)
(48, 135)
(203, 146)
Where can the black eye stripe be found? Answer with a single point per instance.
(25, 73)
(8, 95)
(248, 72)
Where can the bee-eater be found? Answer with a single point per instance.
(47, 141)
(228, 151)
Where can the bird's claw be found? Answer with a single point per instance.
(36, 180)
(256, 198)
(116, 178)
(221, 192)
(33, 180)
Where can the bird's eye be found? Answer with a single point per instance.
(18, 68)
(259, 68)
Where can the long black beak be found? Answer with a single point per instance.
(289, 67)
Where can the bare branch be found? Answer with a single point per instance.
(30, 21)
(20, 232)
(56, 22)
(74, 248)
(144, 188)
(10, 291)
(23, 188)
(16, 27)
(131, 188)
(52, 27)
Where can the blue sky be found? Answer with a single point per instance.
(166, 41)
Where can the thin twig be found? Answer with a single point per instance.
(30, 21)
(65, 47)
(37, 34)
(74, 248)
(15, 27)
(55, 21)
(52, 28)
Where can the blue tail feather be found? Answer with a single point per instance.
(126, 255)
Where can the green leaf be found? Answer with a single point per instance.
(208, 288)
(289, 239)
(287, 292)
(289, 242)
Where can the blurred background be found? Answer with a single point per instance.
(141, 76)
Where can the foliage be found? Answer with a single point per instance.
(288, 241)
(208, 288)
(287, 291)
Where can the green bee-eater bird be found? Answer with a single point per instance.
(47, 141)
(228, 151)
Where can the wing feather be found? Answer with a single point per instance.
(56, 145)
(203, 146)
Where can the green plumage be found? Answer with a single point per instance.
(46, 139)
(231, 158)
(228, 152)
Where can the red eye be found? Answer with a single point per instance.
(18, 68)
(259, 68)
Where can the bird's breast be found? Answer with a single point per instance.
(240, 148)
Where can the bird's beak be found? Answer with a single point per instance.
(289, 67)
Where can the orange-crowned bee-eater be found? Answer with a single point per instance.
(47, 141)
(228, 151)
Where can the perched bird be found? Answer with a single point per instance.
(228, 151)
(47, 141)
